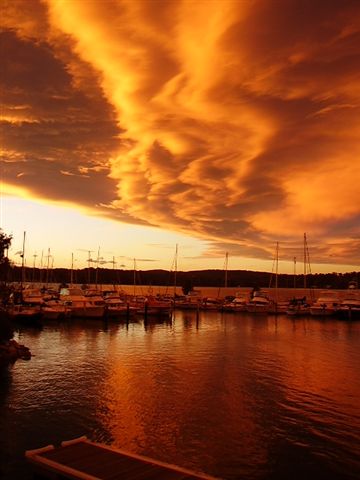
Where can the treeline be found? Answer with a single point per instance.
(188, 280)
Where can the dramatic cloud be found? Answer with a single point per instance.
(238, 122)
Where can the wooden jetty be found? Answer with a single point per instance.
(82, 459)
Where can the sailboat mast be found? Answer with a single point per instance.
(33, 271)
(41, 267)
(23, 263)
(97, 268)
(113, 275)
(88, 262)
(305, 260)
(72, 270)
(47, 267)
(175, 269)
(294, 272)
(276, 270)
(226, 270)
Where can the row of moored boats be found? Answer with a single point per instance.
(71, 302)
(328, 303)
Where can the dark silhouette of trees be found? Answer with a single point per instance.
(6, 329)
(186, 280)
(5, 242)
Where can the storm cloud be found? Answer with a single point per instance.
(237, 122)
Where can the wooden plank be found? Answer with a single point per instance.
(96, 461)
(82, 459)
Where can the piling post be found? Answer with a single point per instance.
(145, 311)
(127, 313)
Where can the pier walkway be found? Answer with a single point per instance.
(85, 460)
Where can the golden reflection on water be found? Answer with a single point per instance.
(175, 393)
(231, 395)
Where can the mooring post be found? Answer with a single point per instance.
(127, 312)
(145, 311)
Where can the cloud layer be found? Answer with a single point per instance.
(237, 122)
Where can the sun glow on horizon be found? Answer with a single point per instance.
(67, 231)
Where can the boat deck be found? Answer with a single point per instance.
(82, 459)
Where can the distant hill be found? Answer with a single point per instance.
(188, 280)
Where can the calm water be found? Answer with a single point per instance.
(236, 396)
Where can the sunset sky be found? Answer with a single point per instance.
(218, 125)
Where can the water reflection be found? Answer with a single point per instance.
(235, 396)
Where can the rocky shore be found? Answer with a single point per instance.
(11, 350)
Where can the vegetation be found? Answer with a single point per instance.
(6, 330)
(5, 242)
(188, 280)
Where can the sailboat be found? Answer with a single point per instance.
(19, 309)
(216, 303)
(300, 306)
(277, 306)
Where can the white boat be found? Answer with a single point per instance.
(278, 307)
(80, 305)
(94, 297)
(298, 307)
(187, 302)
(116, 307)
(209, 303)
(327, 304)
(25, 306)
(32, 296)
(259, 303)
(350, 307)
(151, 306)
(26, 314)
(238, 304)
(55, 310)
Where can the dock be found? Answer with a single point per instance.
(82, 459)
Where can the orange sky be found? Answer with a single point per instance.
(235, 122)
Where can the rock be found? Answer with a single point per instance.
(10, 351)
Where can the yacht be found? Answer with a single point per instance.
(259, 303)
(80, 305)
(238, 304)
(349, 307)
(209, 303)
(55, 309)
(116, 307)
(26, 314)
(298, 307)
(327, 304)
(157, 307)
(25, 307)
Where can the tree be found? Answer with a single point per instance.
(5, 242)
(6, 330)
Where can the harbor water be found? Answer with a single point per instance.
(236, 396)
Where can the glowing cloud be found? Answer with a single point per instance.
(237, 122)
